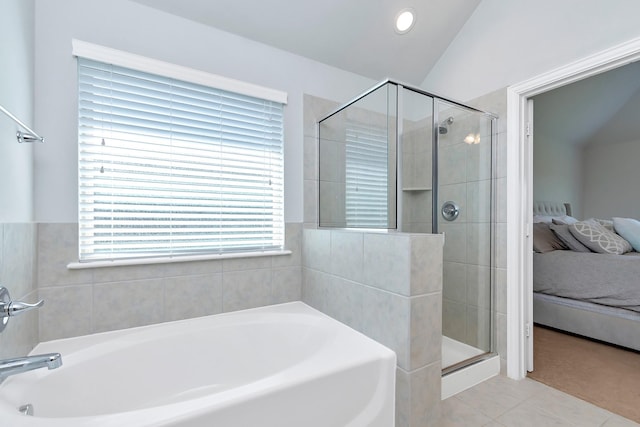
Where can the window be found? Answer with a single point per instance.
(366, 175)
(170, 167)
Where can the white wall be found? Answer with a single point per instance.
(128, 26)
(508, 41)
(611, 175)
(16, 95)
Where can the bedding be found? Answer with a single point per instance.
(596, 295)
(611, 280)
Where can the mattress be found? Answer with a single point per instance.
(613, 325)
(608, 280)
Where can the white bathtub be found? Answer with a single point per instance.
(282, 365)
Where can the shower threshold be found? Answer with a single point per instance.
(454, 352)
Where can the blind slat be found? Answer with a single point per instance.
(169, 167)
(366, 176)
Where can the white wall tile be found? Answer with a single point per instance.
(387, 260)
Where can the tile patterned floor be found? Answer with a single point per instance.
(502, 402)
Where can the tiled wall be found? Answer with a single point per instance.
(496, 102)
(389, 287)
(386, 285)
(17, 274)
(465, 177)
(85, 301)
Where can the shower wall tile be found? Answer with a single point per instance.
(127, 273)
(401, 307)
(478, 286)
(191, 268)
(455, 281)
(501, 199)
(311, 158)
(426, 263)
(455, 238)
(479, 201)
(67, 312)
(479, 244)
(478, 327)
(479, 160)
(332, 161)
(314, 109)
(292, 242)
(347, 255)
(310, 205)
(452, 162)
(501, 290)
(332, 204)
(501, 155)
(193, 296)
(17, 274)
(426, 330)
(57, 247)
(246, 289)
(316, 249)
(18, 266)
(286, 284)
(240, 264)
(501, 245)
(454, 320)
(387, 260)
(121, 297)
(120, 305)
(387, 320)
(418, 396)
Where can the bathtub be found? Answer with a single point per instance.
(282, 365)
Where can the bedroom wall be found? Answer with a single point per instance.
(611, 174)
(611, 180)
(557, 172)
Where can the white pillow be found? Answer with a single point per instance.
(629, 229)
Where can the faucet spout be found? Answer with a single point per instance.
(18, 365)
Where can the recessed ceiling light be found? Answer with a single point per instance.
(405, 20)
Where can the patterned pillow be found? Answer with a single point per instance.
(597, 238)
(606, 223)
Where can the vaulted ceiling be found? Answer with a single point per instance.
(358, 36)
(602, 109)
(353, 35)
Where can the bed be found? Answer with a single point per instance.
(590, 294)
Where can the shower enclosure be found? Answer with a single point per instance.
(400, 159)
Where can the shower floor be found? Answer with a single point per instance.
(455, 352)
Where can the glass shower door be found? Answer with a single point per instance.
(463, 212)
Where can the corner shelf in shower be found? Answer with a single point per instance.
(416, 189)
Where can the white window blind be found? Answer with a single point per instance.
(170, 168)
(367, 176)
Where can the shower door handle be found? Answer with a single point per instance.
(450, 211)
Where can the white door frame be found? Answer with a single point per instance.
(519, 190)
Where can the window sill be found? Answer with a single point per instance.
(167, 260)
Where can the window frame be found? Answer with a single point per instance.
(135, 62)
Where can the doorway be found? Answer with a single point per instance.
(520, 193)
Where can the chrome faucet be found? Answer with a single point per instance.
(18, 365)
